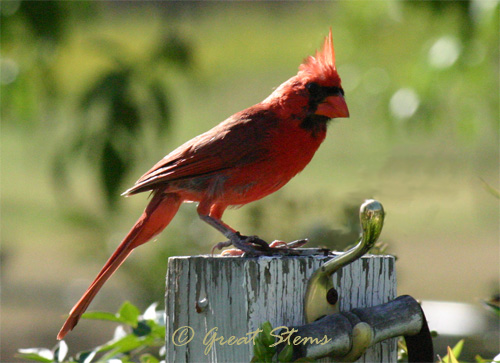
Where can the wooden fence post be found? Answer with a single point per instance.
(209, 298)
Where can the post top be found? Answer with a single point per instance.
(319, 253)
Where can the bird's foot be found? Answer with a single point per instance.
(254, 246)
(278, 244)
(221, 245)
(251, 245)
(294, 244)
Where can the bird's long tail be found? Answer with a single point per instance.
(155, 218)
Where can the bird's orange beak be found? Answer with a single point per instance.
(333, 107)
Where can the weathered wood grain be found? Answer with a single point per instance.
(233, 296)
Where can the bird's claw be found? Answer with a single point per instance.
(255, 246)
(221, 245)
(251, 245)
(296, 244)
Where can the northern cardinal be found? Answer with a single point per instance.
(246, 157)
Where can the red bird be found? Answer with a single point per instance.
(246, 157)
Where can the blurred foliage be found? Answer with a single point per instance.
(265, 350)
(493, 191)
(493, 304)
(46, 18)
(129, 96)
(452, 356)
(122, 102)
(133, 92)
(139, 336)
(462, 7)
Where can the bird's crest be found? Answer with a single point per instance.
(322, 65)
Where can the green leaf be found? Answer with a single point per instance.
(157, 330)
(454, 354)
(109, 85)
(124, 113)
(267, 338)
(101, 315)
(51, 24)
(129, 314)
(123, 345)
(457, 349)
(85, 357)
(113, 170)
(160, 97)
(142, 329)
(175, 51)
(260, 351)
(148, 358)
(451, 356)
(37, 354)
(263, 352)
(492, 306)
(286, 354)
(480, 359)
(33, 357)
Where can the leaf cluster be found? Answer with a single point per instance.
(136, 336)
(452, 356)
(264, 351)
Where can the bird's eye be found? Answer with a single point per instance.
(313, 88)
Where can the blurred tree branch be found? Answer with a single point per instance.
(127, 99)
(113, 111)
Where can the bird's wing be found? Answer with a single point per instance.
(238, 141)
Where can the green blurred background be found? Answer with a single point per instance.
(94, 93)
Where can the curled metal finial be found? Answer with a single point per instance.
(320, 286)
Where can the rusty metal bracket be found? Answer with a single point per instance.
(321, 297)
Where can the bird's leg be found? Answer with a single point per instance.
(251, 245)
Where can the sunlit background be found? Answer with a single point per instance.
(93, 94)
